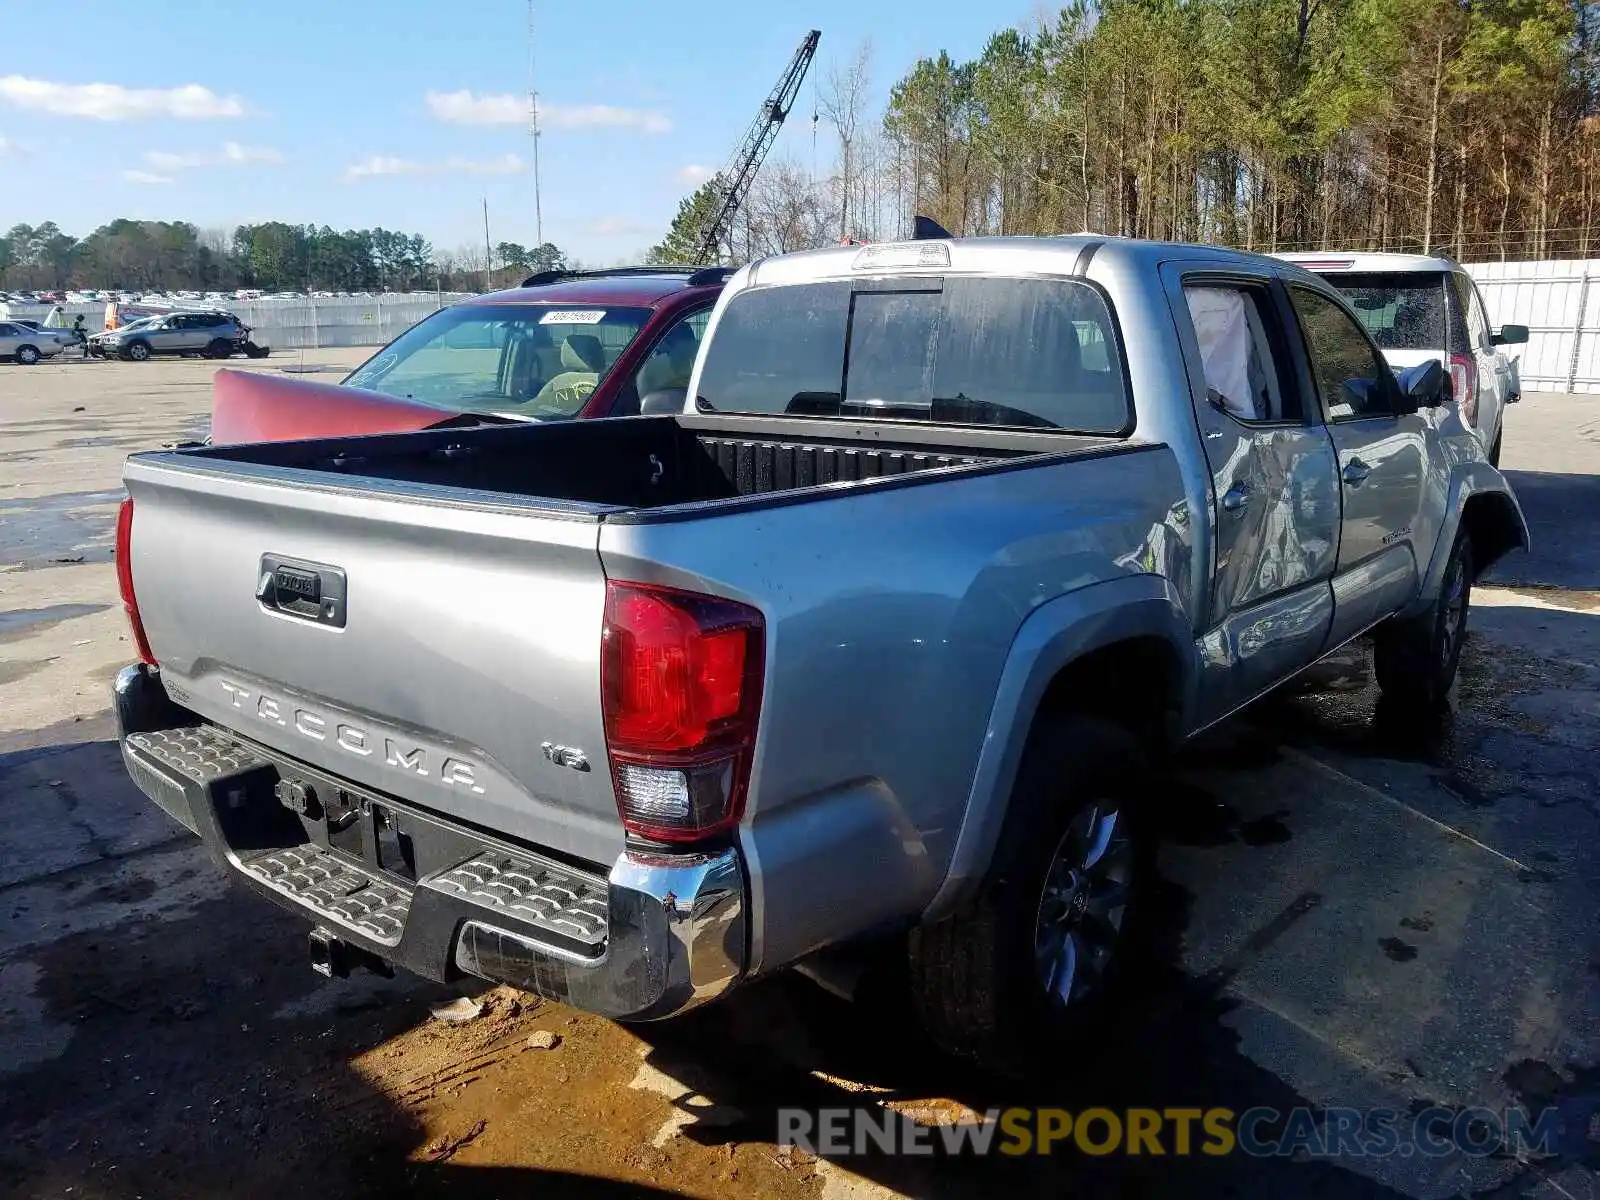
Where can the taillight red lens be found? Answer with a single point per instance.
(130, 602)
(681, 678)
(1464, 383)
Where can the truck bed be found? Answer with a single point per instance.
(459, 579)
(628, 468)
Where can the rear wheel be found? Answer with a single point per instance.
(139, 351)
(219, 348)
(27, 355)
(1035, 963)
(1416, 659)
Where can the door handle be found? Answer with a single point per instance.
(1356, 472)
(1236, 497)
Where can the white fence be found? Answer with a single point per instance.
(1559, 302)
(300, 324)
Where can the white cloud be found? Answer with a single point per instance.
(693, 175)
(7, 146)
(378, 164)
(232, 154)
(113, 102)
(468, 108)
(146, 177)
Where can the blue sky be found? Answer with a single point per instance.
(405, 113)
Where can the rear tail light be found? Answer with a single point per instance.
(681, 679)
(130, 602)
(1464, 383)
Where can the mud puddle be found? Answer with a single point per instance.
(24, 622)
(42, 531)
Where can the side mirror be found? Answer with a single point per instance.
(1511, 335)
(659, 403)
(1424, 385)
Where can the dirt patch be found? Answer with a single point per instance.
(1579, 601)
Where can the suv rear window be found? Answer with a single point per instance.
(1034, 353)
(1402, 310)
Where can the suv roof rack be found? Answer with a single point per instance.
(695, 276)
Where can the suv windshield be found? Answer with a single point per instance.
(1401, 310)
(526, 360)
(1035, 353)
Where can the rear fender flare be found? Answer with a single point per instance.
(1054, 635)
(1469, 480)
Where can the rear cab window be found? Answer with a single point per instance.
(963, 350)
(1406, 310)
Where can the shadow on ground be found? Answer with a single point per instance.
(1560, 509)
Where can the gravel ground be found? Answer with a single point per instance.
(1354, 912)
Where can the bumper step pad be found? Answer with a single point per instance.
(199, 752)
(335, 889)
(543, 896)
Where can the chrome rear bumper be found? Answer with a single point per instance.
(658, 935)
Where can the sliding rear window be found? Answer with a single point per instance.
(1402, 310)
(1028, 353)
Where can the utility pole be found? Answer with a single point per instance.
(533, 128)
(488, 255)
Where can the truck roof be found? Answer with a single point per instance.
(1059, 254)
(1361, 260)
(630, 286)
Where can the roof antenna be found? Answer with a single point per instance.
(926, 228)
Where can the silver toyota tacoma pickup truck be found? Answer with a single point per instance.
(870, 638)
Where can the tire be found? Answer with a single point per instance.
(139, 351)
(219, 348)
(27, 355)
(979, 979)
(1415, 660)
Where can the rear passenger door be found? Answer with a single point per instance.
(1382, 464)
(1274, 489)
(194, 332)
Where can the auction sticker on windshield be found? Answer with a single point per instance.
(580, 316)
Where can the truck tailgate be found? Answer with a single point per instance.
(467, 638)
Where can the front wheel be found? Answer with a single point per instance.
(219, 348)
(139, 351)
(27, 355)
(1035, 963)
(1415, 660)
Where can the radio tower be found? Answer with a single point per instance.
(533, 128)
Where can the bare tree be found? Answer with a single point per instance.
(784, 212)
(842, 103)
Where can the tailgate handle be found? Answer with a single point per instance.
(310, 591)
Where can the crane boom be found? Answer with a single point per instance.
(740, 173)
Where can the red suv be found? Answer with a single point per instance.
(564, 346)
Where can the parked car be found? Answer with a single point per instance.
(27, 346)
(212, 334)
(1420, 308)
(876, 636)
(566, 345)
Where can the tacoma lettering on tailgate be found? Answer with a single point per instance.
(353, 739)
